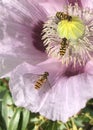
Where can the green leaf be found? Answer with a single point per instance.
(1, 128)
(50, 125)
(54, 126)
(62, 127)
(7, 109)
(26, 115)
(15, 120)
(30, 126)
(2, 123)
(79, 122)
(2, 88)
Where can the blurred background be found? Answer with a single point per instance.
(16, 118)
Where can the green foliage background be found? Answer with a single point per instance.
(15, 118)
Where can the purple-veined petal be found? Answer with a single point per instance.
(58, 102)
(16, 34)
(26, 11)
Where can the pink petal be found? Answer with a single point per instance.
(87, 3)
(52, 6)
(16, 34)
(89, 67)
(60, 100)
(25, 11)
(19, 75)
(8, 63)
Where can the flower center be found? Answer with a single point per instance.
(72, 30)
(69, 36)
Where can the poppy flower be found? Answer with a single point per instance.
(50, 45)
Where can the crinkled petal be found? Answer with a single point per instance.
(8, 63)
(16, 29)
(25, 71)
(60, 100)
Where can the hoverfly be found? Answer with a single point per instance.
(42, 79)
(63, 47)
(63, 16)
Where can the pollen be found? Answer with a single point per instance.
(72, 30)
(77, 48)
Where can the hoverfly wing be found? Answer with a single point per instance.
(34, 79)
(45, 87)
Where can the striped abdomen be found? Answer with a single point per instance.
(40, 82)
(62, 50)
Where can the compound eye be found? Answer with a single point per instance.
(69, 18)
(64, 39)
(47, 73)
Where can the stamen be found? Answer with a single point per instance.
(74, 26)
(74, 61)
